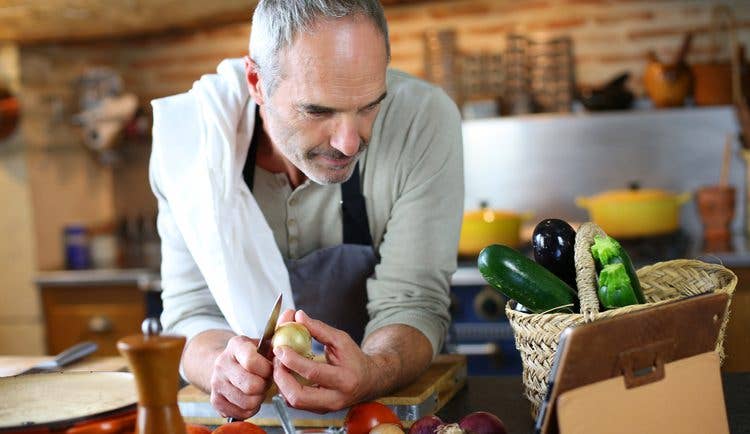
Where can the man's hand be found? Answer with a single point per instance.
(347, 378)
(240, 378)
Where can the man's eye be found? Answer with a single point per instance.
(318, 113)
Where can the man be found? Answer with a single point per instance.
(358, 174)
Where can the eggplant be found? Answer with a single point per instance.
(553, 244)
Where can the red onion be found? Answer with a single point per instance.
(481, 422)
(426, 425)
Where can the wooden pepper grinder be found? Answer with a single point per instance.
(155, 360)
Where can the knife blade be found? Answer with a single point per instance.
(70, 355)
(264, 345)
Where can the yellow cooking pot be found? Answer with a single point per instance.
(632, 213)
(487, 226)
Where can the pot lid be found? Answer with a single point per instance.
(634, 195)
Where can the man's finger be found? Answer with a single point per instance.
(319, 330)
(227, 409)
(315, 399)
(286, 316)
(316, 372)
(251, 361)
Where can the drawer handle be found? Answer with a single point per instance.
(100, 324)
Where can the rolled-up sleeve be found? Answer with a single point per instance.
(419, 246)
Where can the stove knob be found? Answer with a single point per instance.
(489, 304)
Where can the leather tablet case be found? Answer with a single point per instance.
(689, 399)
(636, 372)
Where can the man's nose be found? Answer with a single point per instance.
(345, 137)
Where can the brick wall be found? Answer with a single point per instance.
(610, 36)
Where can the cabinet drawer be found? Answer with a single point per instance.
(99, 314)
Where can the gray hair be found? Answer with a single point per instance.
(277, 22)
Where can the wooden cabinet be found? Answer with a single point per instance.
(102, 314)
(737, 339)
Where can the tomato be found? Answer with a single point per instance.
(239, 428)
(196, 429)
(363, 417)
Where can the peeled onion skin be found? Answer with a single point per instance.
(478, 422)
(426, 425)
(451, 428)
(295, 336)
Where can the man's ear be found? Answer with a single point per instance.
(253, 80)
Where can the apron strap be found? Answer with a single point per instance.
(354, 211)
(355, 223)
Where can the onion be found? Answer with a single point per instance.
(481, 422)
(387, 428)
(293, 335)
(451, 428)
(426, 425)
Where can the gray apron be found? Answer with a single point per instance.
(330, 284)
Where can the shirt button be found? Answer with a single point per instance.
(293, 201)
(291, 222)
(292, 240)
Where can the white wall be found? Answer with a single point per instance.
(542, 163)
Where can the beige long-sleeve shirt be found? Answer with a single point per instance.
(412, 179)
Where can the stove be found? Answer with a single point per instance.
(479, 328)
(648, 250)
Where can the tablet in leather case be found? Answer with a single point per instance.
(649, 371)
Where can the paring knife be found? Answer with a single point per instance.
(264, 344)
(70, 355)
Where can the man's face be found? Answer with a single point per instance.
(321, 113)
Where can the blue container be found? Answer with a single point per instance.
(77, 252)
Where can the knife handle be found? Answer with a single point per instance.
(75, 352)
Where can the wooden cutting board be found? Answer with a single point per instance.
(428, 394)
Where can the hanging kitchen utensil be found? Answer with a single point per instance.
(668, 84)
(635, 212)
(9, 113)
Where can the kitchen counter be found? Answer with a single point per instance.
(144, 278)
(500, 395)
(466, 274)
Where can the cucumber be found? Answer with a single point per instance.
(521, 279)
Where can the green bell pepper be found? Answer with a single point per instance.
(607, 251)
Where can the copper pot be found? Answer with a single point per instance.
(712, 83)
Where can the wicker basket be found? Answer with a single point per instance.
(537, 335)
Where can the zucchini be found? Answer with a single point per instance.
(607, 251)
(521, 279)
